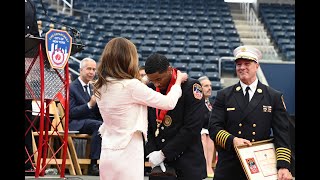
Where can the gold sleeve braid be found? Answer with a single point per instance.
(222, 137)
(283, 154)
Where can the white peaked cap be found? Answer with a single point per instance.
(247, 52)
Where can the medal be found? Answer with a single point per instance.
(167, 120)
(157, 130)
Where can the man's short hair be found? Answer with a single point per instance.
(203, 78)
(156, 63)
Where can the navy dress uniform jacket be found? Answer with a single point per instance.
(181, 140)
(230, 119)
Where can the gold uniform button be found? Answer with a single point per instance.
(240, 124)
(254, 125)
(252, 140)
(239, 132)
(253, 133)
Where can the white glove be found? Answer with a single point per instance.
(162, 167)
(155, 158)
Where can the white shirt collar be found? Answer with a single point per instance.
(82, 83)
(253, 86)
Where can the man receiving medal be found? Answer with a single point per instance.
(174, 136)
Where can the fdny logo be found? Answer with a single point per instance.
(58, 47)
(197, 91)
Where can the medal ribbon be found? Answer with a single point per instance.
(164, 112)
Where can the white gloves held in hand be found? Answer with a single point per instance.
(156, 158)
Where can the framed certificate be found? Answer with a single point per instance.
(259, 160)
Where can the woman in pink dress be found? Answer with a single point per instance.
(123, 99)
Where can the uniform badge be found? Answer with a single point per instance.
(259, 90)
(167, 120)
(284, 105)
(197, 91)
(231, 109)
(238, 88)
(267, 108)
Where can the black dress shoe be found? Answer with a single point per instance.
(93, 170)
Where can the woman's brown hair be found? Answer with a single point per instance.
(119, 60)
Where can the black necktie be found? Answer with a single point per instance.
(86, 90)
(246, 96)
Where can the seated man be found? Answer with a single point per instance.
(84, 113)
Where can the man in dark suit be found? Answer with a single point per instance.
(243, 115)
(84, 113)
(174, 136)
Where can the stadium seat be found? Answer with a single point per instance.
(179, 37)
(192, 51)
(208, 51)
(228, 66)
(140, 36)
(193, 37)
(206, 32)
(216, 85)
(201, 25)
(177, 50)
(152, 36)
(210, 67)
(207, 38)
(147, 23)
(207, 45)
(145, 51)
(161, 50)
(192, 44)
(174, 24)
(224, 52)
(167, 30)
(213, 76)
(195, 74)
(184, 58)
(180, 31)
(166, 37)
(164, 43)
(213, 59)
(198, 59)
(137, 42)
(193, 31)
(178, 43)
(149, 42)
(172, 58)
(154, 30)
(128, 29)
(221, 38)
(194, 66)
(203, 19)
(180, 66)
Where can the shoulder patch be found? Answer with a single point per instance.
(197, 91)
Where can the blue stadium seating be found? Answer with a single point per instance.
(186, 31)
